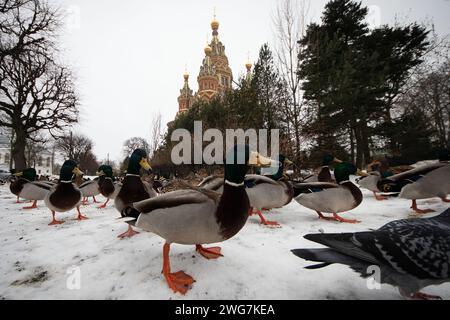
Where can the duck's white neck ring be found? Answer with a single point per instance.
(67, 181)
(342, 182)
(132, 175)
(234, 184)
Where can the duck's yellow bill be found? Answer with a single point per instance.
(77, 171)
(18, 174)
(258, 160)
(287, 162)
(361, 173)
(100, 173)
(144, 164)
(337, 160)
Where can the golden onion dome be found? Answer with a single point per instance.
(208, 49)
(215, 24)
(248, 65)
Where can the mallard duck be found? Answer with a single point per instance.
(107, 186)
(324, 173)
(266, 192)
(377, 170)
(90, 188)
(199, 216)
(331, 197)
(411, 254)
(133, 188)
(428, 181)
(65, 195)
(27, 188)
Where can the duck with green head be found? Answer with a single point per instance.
(27, 188)
(324, 173)
(198, 216)
(133, 189)
(107, 186)
(331, 197)
(65, 195)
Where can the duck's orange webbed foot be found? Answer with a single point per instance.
(128, 234)
(420, 211)
(340, 219)
(80, 216)
(424, 296)
(379, 197)
(272, 224)
(33, 206)
(177, 281)
(209, 253)
(54, 221)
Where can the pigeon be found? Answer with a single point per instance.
(411, 254)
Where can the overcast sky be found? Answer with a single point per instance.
(129, 56)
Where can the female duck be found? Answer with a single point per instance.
(198, 216)
(65, 195)
(331, 197)
(133, 188)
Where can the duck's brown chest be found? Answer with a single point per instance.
(232, 212)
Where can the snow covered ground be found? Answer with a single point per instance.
(37, 261)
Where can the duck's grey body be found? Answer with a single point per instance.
(90, 188)
(433, 184)
(182, 216)
(332, 198)
(370, 182)
(213, 182)
(35, 190)
(267, 193)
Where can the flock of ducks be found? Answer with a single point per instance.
(412, 253)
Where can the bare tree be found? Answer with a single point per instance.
(155, 136)
(290, 21)
(36, 93)
(134, 143)
(78, 147)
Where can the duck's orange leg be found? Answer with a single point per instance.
(340, 219)
(33, 206)
(419, 211)
(128, 234)
(54, 221)
(444, 199)
(267, 222)
(178, 281)
(85, 201)
(95, 200)
(209, 253)
(321, 216)
(80, 216)
(378, 196)
(18, 200)
(424, 296)
(104, 205)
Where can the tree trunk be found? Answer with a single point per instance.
(18, 152)
(352, 145)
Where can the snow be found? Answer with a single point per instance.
(37, 259)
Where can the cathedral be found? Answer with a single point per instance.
(215, 76)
